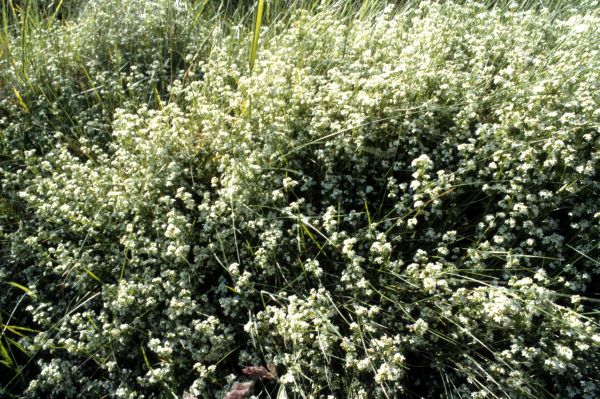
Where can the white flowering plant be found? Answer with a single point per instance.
(386, 202)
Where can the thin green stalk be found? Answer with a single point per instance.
(257, 26)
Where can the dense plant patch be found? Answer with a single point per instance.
(394, 201)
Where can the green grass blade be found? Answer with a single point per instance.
(17, 345)
(21, 101)
(146, 361)
(53, 17)
(92, 275)
(19, 286)
(17, 329)
(200, 11)
(257, 26)
(6, 359)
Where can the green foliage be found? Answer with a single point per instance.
(386, 201)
